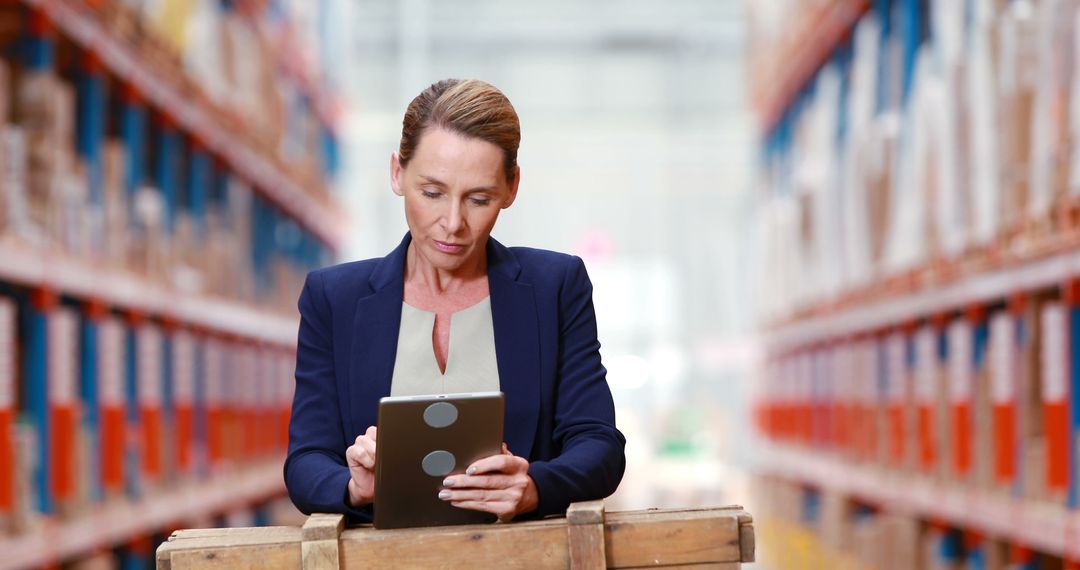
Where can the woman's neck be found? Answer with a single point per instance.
(421, 274)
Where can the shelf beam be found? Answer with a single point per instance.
(61, 274)
(800, 59)
(986, 287)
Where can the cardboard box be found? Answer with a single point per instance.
(116, 207)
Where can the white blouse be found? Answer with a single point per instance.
(471, 365)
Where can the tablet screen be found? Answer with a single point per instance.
(424, 439)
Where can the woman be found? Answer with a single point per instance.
(521, 319)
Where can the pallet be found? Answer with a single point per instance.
(586, 539)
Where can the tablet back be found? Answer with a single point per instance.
(421, 441)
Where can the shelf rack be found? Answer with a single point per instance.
(322, 219)
(1050, 528)
(792, 66)
(121, 521)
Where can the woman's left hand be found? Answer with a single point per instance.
(499, 484)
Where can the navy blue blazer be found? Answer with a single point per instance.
(559, 411)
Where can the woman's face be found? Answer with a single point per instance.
(454, 187)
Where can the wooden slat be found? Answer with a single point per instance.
(690, 538)
(262, 556)
(211, 540)
(585, 534)
(747, 542)
(705, 566)
(517, 545)
(321, 526)
(320, 534)
(658, 538)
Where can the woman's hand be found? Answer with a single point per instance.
(361, 458)
(499, 484)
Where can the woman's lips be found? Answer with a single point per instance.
(448, 247)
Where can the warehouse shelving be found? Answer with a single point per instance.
(793, 65)
(1050, 528)
(118, 522)
(145, 362)
(317, 215)
(921, 294)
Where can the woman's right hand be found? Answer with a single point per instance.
(361, 458)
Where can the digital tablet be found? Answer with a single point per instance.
(421, 441)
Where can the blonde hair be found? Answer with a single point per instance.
(469, 107)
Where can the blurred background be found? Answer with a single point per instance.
(833, 244)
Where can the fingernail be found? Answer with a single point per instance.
(470, 471)
(448, 482)
(444, 494)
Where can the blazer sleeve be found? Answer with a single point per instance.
(592, 459)
(316, 473)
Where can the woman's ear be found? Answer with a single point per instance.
(513, 188)
(395, 174)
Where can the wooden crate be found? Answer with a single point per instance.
(588, 538)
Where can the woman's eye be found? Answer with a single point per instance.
(430, 194)
(481, 201)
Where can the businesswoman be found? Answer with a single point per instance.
(453, 310)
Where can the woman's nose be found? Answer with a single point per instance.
(454, 218)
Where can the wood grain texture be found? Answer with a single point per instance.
(586, 512)
(657, 538)
(585, 535)
(320, 555)
(253, 557)
(533, 545)
(686, 538)
(322, 526)
(747, 542)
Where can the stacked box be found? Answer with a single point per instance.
(961, 398)
(1054, 392)
(926, 381)
(8, 409)
(982, 435)
(214, 385)
(285, 375)
(112, 400)
(63, 409)
(149, 369)
(1004, 380)
(1032, 458)
(899, 404)
(183, 375)
(115, 203)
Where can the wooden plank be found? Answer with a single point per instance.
(321, 526)
(658, 538)
(705, 566)
(534, 545)
(263, 556)
(320, 555)
(233, 536)
(585, 534)
(213, 539)
(747, 542)
(690, 538)
(319, 550)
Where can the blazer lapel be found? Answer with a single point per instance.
(517, 347)
(375, 334)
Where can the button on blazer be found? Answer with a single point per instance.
(559, 411)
